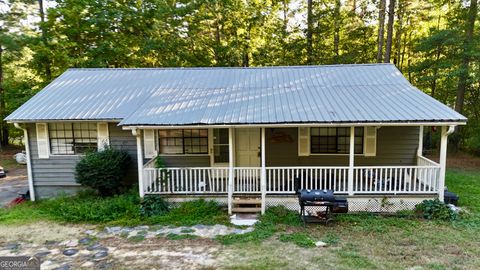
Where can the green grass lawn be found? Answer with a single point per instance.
(368, 241)
(356, 241)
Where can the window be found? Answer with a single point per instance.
(335, 140)
(220, 145)
(183, 141)
(72, 138)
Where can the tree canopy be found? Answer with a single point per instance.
(435, 43)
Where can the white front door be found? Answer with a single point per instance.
(247, 147)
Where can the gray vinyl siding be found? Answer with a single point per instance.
(57, 174)
(395, 146)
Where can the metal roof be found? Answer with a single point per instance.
(225, 96)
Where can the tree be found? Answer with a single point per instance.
(466, 55)
(309, 31)
(391, 18)
(11, 45)
(381, 26)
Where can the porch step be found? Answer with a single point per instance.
(246, 205)
(247, 201)
(246, 209)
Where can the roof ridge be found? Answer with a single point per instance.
(256, 67)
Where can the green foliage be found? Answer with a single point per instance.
(299, 239)
(268, 225)
(92, 209)
(331, 239)
(193, 212)
(174, 236)
(103, 171)
(280, 215)
(153, 205)
(435, 209)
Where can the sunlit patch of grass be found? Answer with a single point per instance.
(299, 239)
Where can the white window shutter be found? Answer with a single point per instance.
(303, 141)
(103, 139)
(149, 143)
(42, 140)
(370, 141)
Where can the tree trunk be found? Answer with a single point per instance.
(216, 55)
(48, 71)
(284, 30)
(381, 28)
(464, 67)
(309, 32)
(3, 109)
(398, 33)
(391, 18)
(336, 31)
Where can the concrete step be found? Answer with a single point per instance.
(246, 209)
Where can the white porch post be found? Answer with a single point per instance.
(26, 142)
(230, 170)
(443, 160)
(351, 161)
(420, 142)
(263, 174)
(137, 134)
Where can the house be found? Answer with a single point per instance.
(227, 133)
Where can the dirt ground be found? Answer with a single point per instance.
(155, 253)
(460, 160)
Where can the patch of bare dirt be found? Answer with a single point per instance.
(39, 233)
(462, 161)
(160, 253)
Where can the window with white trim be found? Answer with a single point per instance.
(183, 141)
(72, 138)
(334, 140)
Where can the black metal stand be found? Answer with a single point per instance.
(325, 219)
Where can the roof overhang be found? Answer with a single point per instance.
(280, 125)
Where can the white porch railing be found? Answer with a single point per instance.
(281, 180)
(396, 180)
(246, 179)
(185, 180)
(419, 179)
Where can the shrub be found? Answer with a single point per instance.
(153, 205)
(103, 171)
(435, 209)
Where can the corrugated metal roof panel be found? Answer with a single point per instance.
(193, 96)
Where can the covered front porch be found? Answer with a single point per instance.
(267, 162)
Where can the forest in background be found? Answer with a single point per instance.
(434, 43)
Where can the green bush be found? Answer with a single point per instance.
(103, 171)
(153, 205)
(435, 209)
